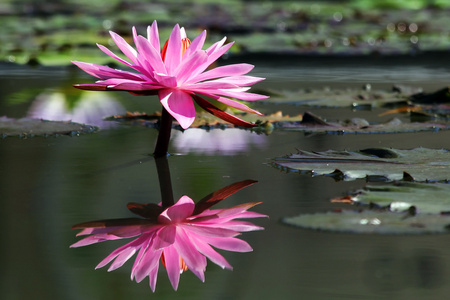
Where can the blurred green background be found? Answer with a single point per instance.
(53, 33)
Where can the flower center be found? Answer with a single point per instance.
(183, 266)
(185, 42)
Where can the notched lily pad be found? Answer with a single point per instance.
(34, 127)
(402, 196)
(375, 164)
(370, 221)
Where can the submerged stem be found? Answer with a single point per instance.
(165, 126)
(165, 182)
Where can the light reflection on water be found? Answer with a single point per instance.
(47, 185)
(230, 141)
(89, 108)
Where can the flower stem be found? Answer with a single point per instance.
(165, 183)
(165, 126)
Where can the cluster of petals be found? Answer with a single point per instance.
(181, 237)
(178, 74)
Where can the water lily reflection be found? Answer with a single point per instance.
(181, 236)
(87, 108)
(217, 141)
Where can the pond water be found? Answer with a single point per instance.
(49, 184)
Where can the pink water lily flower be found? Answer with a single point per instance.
(180, 236)
(178, 74)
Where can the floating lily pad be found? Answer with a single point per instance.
(354, 98)
(206, 120)
(420, 164)
(362, 126)
(379, 222)
(426, 198)
(307, 123)
(33, 127)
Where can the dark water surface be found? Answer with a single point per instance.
(49, 184)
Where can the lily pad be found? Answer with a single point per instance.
(425, 198)
(34, 127)
(368, 221)
(362, 126)
(206, 120)
(353, 98)
(419, 164)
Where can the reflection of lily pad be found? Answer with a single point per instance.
(33, 127)
(418, 164)
(426, 198)
(384, 222)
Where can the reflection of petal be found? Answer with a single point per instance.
(90, 109)
(216, 141)
(50, 107)
(181, 236)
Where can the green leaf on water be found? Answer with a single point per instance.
(419, 164)
(353, 98)
(373, 222)
(426, 198)
(33, 127)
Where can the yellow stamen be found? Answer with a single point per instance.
(183, 266)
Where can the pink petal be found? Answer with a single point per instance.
(122, 258)
(195, 261)
(196, 45)
(230, 70)
(188, 65)
(153, 276)
(164, 237)
(240, 226)
(110, 53)
(229, 244)
(213, 85)
(151, 56)
(172, 261)
(93, 240)
(218, 52)
(235, 210)
(209, 252)
(149, 261)
(133, 244)
(178, 212)
(126, 49)
(179, 104)
(235, 104)
(212, 57)
(104, 72)
(142, 251)
(216, 46)
(210, 231)
(241, 80)
(242, 95)
(166, 80)
(153, 35)
(173, 54)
